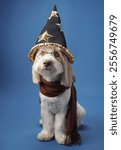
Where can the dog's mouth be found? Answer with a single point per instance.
(49, 69)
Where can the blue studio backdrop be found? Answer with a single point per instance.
(21, 21)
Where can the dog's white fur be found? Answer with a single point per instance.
(54, 109)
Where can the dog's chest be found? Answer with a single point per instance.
(55, 104)
(53, 107)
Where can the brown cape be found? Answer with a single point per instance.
(52, 89)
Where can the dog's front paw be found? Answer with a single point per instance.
(60, 138)
(44, 136)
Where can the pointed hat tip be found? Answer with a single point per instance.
(54, 8)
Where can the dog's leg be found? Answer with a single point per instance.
(47, 132)
(41, 114)
(60, 128)
(40, 122)
(80, 114)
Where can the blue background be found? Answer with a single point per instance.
(21, 21)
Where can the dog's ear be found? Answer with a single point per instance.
(68, 75)
(35, 75)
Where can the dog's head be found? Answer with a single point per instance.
(52, 62)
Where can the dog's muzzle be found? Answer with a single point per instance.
(47, 63)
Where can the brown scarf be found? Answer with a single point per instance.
(52, 89)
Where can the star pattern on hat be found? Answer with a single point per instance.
(52, 35)
(45, 36)
(60, 26)
(53, 14)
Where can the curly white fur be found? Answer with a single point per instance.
(54, 109)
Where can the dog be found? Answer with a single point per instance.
(52, 65)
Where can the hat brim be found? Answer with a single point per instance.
(35, 49)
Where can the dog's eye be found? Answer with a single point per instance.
(56, 54)
(42, 53)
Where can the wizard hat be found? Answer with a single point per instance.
(52, 36)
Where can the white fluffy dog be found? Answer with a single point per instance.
(53, 65)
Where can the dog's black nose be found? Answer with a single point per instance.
(47, 63)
